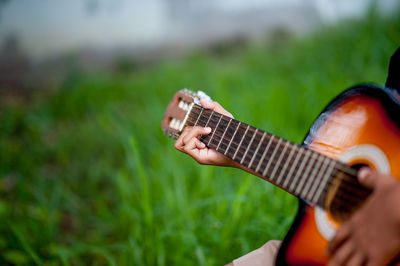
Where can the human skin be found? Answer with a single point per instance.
(372, 234)
(189, 143)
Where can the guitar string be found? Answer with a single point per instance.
(353, 185)
(353, 190)
(344, 199)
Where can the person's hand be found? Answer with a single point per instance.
(189, 143)
(372, 234)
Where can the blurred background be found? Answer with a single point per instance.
(86, 176)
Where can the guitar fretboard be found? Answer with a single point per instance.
(300, 171)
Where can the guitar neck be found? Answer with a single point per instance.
(300, 171)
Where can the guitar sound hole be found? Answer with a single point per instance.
(349, 196)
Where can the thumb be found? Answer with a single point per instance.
(367, 178)
(215, 107)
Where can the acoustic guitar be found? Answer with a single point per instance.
(359, 127)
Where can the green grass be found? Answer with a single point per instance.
(86, 176)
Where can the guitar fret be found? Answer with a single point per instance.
(264, 153)
(208, 120)
(248, 146)
(285, 165)
(215, 129)
(299, 191)
(299, 171)
(230, 142)
(223, 135)
(312, 179)
(325, 180)
(238, 147)
(292, 167)
(204, 137)
(319, 176)
(279, 161)
(272, 157)
(197, 120)
(258, 147)
(221, 142)
(202, 119)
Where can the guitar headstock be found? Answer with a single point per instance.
(178, 111)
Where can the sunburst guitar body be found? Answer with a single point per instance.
(360, 127)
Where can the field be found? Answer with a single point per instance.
(86, 176)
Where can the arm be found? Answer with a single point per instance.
(372, 235)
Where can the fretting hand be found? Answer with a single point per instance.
(189, 143)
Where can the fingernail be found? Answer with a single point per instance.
(208, 129)
(363, 172)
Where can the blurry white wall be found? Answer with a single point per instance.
(46, 28)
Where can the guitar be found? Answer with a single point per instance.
(361, 126)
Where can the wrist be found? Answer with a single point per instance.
(231, 163)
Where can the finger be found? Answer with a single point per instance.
(215, 107)
(195, 132)
(357, 259)
(179, 142)
(199, 145)
(341, 236)
(193, 147)
(192, 144)
(367, 178)
(342, 255)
